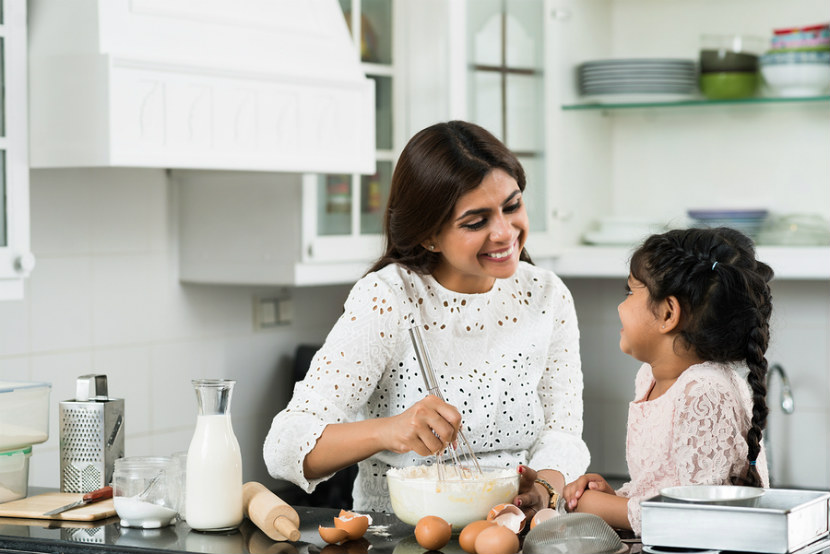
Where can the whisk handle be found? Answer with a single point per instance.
(424, 362)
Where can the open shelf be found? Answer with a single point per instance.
(699, 102)
(788, 262)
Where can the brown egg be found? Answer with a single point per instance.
(497, 540)
(508, 515)
(432, 532)
(354, 524)
(467, 538)
(332, 535)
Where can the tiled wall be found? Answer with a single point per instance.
(800, 328)
(105, 298)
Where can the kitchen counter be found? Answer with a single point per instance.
(386, 535)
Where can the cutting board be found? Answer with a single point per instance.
(36, 506)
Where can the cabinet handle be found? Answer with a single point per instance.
(25, 263)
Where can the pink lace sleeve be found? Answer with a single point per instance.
(709, 429)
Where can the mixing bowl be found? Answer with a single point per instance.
(416, 492)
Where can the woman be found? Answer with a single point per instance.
(502, 336)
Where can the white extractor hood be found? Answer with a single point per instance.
(271, 85)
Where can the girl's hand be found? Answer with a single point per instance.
(531, 497)
(590, 481)
(426, 427)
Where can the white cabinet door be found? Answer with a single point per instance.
(16, 260)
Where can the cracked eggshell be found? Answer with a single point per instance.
(353, 523)
(542, 515)
(332, 535)
(508, 515)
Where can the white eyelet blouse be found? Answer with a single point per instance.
(507, 359)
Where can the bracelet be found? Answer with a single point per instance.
(554, 496)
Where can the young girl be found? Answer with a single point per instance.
(696, 312)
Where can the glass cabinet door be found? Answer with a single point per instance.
(505, 85)
(16, 261)
(349, 208)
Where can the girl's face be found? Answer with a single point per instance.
(640, 325)
(485, 236)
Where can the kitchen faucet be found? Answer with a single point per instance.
(787, 402)
(787, 406)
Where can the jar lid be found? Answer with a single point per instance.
(24, 451)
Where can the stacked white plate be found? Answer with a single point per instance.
(637, 79)
(748, 222)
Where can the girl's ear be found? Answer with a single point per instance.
(669, 314)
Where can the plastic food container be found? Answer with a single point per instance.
(24, 414)
(416, 492)
(14, 474)
(146, 490)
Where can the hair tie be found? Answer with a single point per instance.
(713, 266)
(752, 463)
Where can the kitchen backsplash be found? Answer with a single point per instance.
(105, 298)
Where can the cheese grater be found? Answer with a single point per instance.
(91, 435)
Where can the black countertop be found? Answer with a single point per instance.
(386, 535)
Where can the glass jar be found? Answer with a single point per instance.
(145, 491)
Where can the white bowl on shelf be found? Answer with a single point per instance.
(797, 79)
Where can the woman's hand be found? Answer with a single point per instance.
(590, 481)
(426, 427)
(532, 497)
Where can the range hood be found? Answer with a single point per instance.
(270, 85)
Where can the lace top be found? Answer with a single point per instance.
(694, 434)
(507, 359)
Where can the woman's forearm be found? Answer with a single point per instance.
(613, 509)
(341, 445)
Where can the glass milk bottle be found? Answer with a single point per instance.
(213, 500)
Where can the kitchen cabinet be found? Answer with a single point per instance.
(344, 211)
(16, 260)
(265, 228)
(248, 85)
(658, 160)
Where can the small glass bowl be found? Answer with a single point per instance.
(145, 491)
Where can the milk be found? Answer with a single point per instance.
(213, 500)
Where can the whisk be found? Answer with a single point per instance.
(465, 465)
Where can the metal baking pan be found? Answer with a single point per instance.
(777, 522)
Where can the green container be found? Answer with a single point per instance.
(728, 85)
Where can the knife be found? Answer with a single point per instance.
(100, 494)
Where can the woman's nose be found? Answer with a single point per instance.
(500, 229)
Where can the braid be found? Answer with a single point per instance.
(725, 303)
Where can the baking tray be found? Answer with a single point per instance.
(777, 522)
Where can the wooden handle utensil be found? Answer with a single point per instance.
(270, 513)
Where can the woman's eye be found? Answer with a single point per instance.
(513, 207)
(475, 225)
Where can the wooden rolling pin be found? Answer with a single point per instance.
(271, 514)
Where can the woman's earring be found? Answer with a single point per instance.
(432, 247)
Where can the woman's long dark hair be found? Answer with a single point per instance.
(725, 302)
(438, 165)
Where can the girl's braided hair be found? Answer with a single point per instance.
(725, 302)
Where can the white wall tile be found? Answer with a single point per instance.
(61, 219)
(125, 306)
(128, 377)
(15, 369)
(61, 309)
(14, 327)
